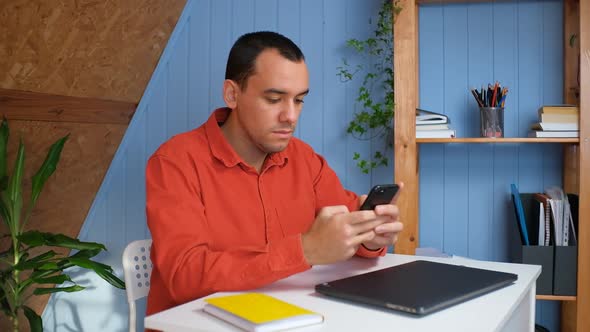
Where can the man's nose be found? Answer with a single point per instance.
(290, 112)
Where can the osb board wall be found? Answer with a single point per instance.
(85, 48)
(68, 194)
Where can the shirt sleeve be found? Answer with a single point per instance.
(181, 253)
(329, 191)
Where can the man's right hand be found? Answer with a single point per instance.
(336, 234)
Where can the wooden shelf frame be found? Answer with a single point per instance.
(497, 140)
(576, 151)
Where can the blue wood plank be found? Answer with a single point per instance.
(456, 197)
(290, 20)
(265, 15)
(156, 110)
(480, 208)
(431, 196)
(552, 65)
(135, 219)
(480, 43)
(334, 96)
(177, 86)
(243, 17)
(431, 58)
(200, 63)
(359, 18)
(530, 23)
(116, 202)
(455, 105)
(220, 42)
(312, 119)
(503, 227)
(505, 62)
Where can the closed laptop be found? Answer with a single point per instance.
(419, 287)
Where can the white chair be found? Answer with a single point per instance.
(137, 267)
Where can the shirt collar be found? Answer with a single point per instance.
(222, 150)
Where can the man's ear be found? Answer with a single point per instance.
(230, 93)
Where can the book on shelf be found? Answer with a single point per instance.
(556, 126)
(427, 117)
(443, 133)
(559, 109)
(562, 134)
(260, 312)
(439, 126)
(557, 117)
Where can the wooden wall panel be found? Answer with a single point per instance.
(68, 194)
(84, 48)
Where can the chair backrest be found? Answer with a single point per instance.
(137, 267)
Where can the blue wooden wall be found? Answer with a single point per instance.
(464, 206)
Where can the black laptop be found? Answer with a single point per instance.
(419, 287)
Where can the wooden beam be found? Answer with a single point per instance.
(583, 296)
(34, 106)
(405, 64)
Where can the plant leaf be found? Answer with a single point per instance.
(4, 133)
(35, 261)
(102, 270)
(35, 321)
(15, 187)
(69, 289)
(47, 168)
(36, 239)
(58, 279)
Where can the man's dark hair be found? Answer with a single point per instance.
(243, 54)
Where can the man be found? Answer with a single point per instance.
(239, 203)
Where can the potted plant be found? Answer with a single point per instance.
(22, 272)
(375, 95)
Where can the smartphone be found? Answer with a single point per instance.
(380, 194)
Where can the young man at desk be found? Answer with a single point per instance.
(238, 203)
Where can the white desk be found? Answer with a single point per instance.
(509, 309)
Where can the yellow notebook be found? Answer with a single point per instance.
(259, 312)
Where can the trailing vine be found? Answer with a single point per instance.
(376, 94)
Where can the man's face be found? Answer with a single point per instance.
(268, 108)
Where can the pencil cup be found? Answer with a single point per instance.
(491, 121)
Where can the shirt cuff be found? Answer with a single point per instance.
(362, 251)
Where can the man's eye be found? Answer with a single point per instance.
(299, 101)
(273, 100)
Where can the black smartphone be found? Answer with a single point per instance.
(380, 194)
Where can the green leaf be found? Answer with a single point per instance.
(36, 239)
(47, 168)
(102, 270)
(58, 279)
(69, 289)
(35, 261)
(4, 133)
(15, 187)
(35, 321)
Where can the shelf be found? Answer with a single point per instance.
(497, 140)
(555, 298)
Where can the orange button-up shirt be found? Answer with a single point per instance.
(219, 225)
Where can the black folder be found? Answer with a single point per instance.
(419, 288)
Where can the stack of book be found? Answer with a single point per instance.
(432, 125)
(557, 121)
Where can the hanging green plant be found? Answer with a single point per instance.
(375, 96)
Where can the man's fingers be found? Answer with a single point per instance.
(361, 216)
(366, 226)
(362, 237)
(401, 186)
(390, 227)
